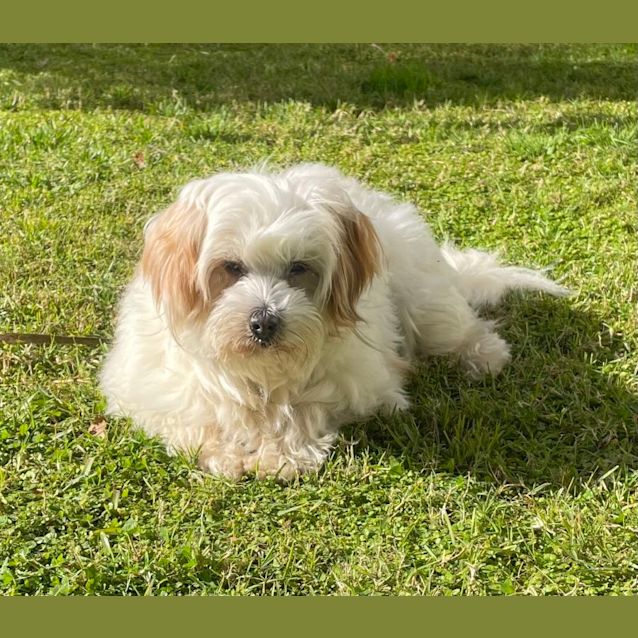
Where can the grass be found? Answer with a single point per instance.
(522, 484)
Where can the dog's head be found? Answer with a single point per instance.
(263, 266)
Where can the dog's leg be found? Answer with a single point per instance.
(446, 324)
(297, 444)
(231, 459)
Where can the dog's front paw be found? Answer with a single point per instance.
(279, 467)
(229, 466)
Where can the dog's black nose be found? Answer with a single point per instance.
(264, 325)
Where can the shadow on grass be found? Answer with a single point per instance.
(169, 77)
(551, 418)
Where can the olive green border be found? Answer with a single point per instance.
(326, 617)
(319, 21)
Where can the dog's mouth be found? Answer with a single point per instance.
(254, 346)
(263, 344)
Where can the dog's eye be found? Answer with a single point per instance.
(234, 268)
(298, 268)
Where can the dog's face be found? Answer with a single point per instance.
(261, 267)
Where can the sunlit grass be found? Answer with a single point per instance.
(521, 484)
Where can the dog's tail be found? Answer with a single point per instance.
(484, 280)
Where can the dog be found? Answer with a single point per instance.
(270, 308)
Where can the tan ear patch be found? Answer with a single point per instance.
(169, 261)
(357, 263)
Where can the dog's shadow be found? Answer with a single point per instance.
(561, 413)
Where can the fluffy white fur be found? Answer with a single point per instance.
(375, 294)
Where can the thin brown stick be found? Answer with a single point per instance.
(26, 337)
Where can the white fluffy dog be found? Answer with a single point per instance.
(270, 308)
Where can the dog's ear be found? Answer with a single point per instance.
(172, 243)
(358, 261)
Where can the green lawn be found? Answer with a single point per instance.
(522, 484)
